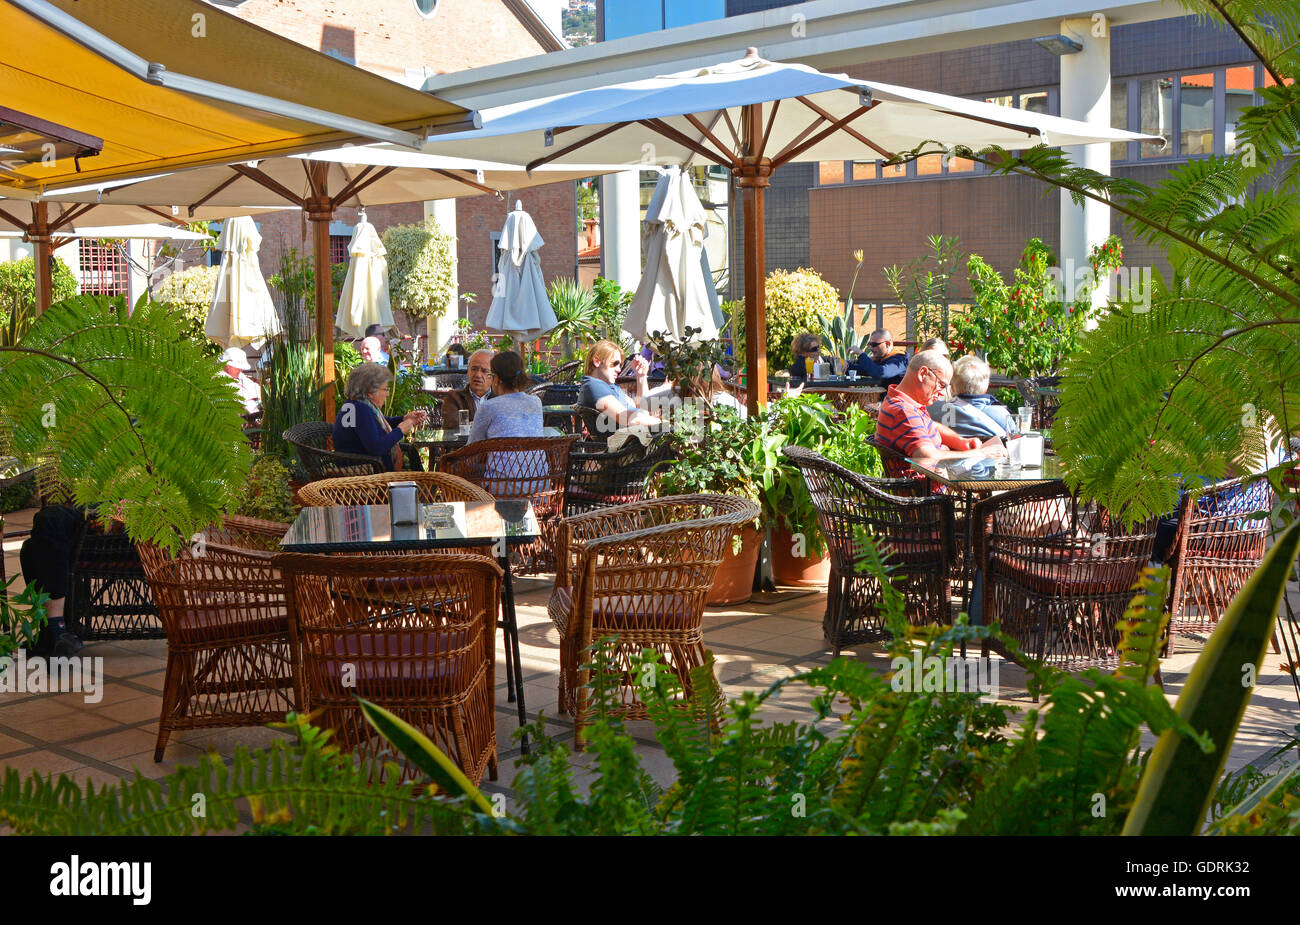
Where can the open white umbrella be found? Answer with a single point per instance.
(520, 307)
(242, 313)
(364, 299)
(676, 290)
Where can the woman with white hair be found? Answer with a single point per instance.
(361, 426)
(972, 411)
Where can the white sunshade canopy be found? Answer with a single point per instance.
(242, 313)
(676, 290)
(807, 115)
(364, 300)
(520, 306)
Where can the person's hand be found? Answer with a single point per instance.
(640, 366)
(969, 443)
(420, 417)
(994, 449)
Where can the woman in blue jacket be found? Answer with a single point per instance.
(361, 427)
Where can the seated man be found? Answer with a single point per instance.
(236, 365)
(907, 428)
(474, 394)
(973, 412)
(380, 333)
(884, 361)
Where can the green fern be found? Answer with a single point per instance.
(131, 411)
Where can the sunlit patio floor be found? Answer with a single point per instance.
(754, 644)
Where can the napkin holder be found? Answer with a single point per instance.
(1031, 449)
(403, 503)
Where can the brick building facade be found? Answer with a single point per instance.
(392, 38)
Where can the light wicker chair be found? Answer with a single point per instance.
(432, 487)
(1217, 547)
(524, 468)
(231, 658)
(1058, 574)
(414, 634)
(639, 572)
(914, 531)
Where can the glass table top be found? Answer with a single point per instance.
(453, 435)
(1001, 471)
(356, 527)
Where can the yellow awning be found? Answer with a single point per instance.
(150, 129)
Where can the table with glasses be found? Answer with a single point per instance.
(565, 418)
(1000, 477)
(450, 437)
(448, 525)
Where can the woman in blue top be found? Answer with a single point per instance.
(510, 412)
(361, 427)
(614, 406)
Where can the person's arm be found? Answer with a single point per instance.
(923, 451)
(371, 436)
(478, 429)
(613, 409)
(953, 440)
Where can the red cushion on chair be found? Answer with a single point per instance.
(197, 627)
(393, 663)
(1076, 578)
(671, 610)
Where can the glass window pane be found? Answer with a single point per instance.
(829, 172)
(1196, 114)
(1157, 114)
(1119, 117)
(1239, 93)
(1035, 101)
(624, 19)
(893, 172)
(864, 170)
(1269, 81)
(1007, 100)
(930, 165)
(960, 165)
(687, 12)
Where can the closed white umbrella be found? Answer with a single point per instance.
(242, 313)
(675, 292)
(364, 299)
(520, 307)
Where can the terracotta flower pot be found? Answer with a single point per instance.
(789, 569)
(735, 581)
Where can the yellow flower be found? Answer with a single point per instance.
(857, 255)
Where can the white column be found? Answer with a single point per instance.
(442, 326)
(137, 281)
(620, 227)
(1085, 95)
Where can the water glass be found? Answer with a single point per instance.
(853, 375)
(1026, 419)
(462, 416)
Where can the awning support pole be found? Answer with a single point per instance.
(753, 178)
(38, 233)
(320, 211)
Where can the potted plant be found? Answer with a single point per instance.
(268, 495)
(725, 455)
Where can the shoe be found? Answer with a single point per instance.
(66, 646)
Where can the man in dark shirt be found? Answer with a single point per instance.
(474, 394)
(884, 361)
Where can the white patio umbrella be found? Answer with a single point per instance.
(676, 289)
(242, 313)
(520, 307)
(364, 299)
(753, 116)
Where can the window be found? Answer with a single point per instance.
(426, 8)
(1119, 118)
(339, 248)
(1157, 102)
(830, 172)
(103, 269)
(1196, 114)
(1239, 92)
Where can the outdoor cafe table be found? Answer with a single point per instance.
(368, 528)
(452, 437)
(1003, 478)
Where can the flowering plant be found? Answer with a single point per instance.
(1028, 328)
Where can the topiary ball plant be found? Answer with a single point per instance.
(269, 496)
(797, 301)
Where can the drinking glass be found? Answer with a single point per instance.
(1026, 419)
(463, 417)
(853, 375)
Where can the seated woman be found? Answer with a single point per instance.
(711, 390)
(804, 347)
(361, 427)
(614, 407)
(972, 412)
(510, 412)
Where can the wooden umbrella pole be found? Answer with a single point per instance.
(39, 234)
(753, 177)
(320, 211)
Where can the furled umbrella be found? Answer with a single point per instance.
(676, 290)
(242, 313)
(520, 307)
(364, 299)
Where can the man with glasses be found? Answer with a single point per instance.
(884, 361)
(906, 426)
(474, 394)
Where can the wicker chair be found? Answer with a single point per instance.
(433, 487)
(598, 478)
(865, 398)
(449, 381)
(231, 652)
(1217, 547)
(312, 441)
(414, 634)
(639, 572)
(109, 595)
(1058, 574)
(249, 536)
(913, 530)
(895, 463)
(568, 373)
(528, 468)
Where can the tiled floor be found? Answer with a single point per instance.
(754, 644)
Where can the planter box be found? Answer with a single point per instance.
(735, 581)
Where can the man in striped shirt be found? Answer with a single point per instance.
(906, 426)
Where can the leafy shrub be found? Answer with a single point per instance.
(611, 306)
(269, 495)
(797, 301)
(189, 293)
(18, 294)
(421, 271)
(577, 311)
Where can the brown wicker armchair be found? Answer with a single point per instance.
(1058, 574)
(433, 487)
(895, 463)
(567, 373)
(414, 634)
(231, 652)
(639, 572)
(599, 478)
(1217, 547)
(248, 535)
(527, 468)
(312, 440)
(914, 531)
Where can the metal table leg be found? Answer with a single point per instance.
(510, 623)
